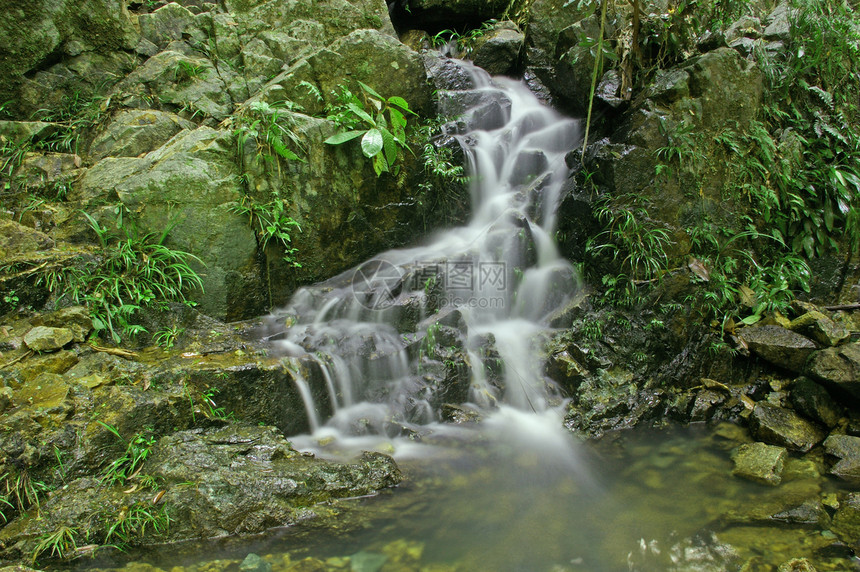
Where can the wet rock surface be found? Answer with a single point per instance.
(780, 346)
(784, 427)
(759, 462)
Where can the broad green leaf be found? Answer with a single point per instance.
(343, 137)
(750, 320)
(370, 90)
(401, 103)
(361, 113)
(389, 146)
(371, 143)
(828, 215)
(379, 164)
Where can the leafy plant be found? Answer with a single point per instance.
(271, 221)
(166, 338)
(127, 274)
(133, 521)
(63, 543)
(20, 492)
(270, 126)
(215, 411)
(379, 122)
(128, 464)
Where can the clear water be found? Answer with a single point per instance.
(506, 500)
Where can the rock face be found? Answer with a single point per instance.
(430, 14)
(56, 28)
(498, 50)
(820, 328)
(190, 184)
(779, 346)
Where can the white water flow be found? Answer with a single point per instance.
(457, 322)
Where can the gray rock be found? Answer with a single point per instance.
(179, 77)
(46, 339)
(779, 346)
(74, 318)
(759, 462)
(784, 427)
(498, 50)
(746, 27)
(820, 328)
(166, 24)
(813, 401)
(846, 449)
(17, 239)
(22, 131)
(135, 132)
(191, 183)
(778, 23)
(810, 513)
(837, 367)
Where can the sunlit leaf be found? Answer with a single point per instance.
(372, 143)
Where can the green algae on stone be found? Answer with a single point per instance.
(759, 462)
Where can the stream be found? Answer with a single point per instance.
(452, 330)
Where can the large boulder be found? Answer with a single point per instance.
(34, 33)
(498, 50)
(191, 185)
(134, 132)
(370, 56)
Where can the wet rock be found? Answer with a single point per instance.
(460, 414)
(838, 368)
(779, 346)
(813, 401)
(564, 369)
(134, 132)
(47, 391)
(58, 362)
(5, 399)
(810, 513)
(76, 319)
(192, 181)
(447, 74)
(846, 521)
(820, 328)
(47, 339)
(249, 479)
(846, 449)
(759, 462)
(779, 426)
(705, 404)
(253, 563)
(498, 50)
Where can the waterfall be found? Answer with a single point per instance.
(457, 321)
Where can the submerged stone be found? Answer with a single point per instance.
(846, 521)
(253, 563)
(759, 462)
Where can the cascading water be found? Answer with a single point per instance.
(488, 289)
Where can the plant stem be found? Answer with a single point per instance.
(597, 63)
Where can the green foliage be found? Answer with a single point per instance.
(465, 42)
(270, 126)
(77, 116)
(130, 272)
(166, 338)
(271, 221)
(20, 493)
(128, 464)
(214, 411)
(62, 543)
(379, 122)
(636, 243)
(443, 189)
(132, 522)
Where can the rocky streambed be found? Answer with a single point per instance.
(104, 447)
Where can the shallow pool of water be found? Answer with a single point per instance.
(513, 498)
